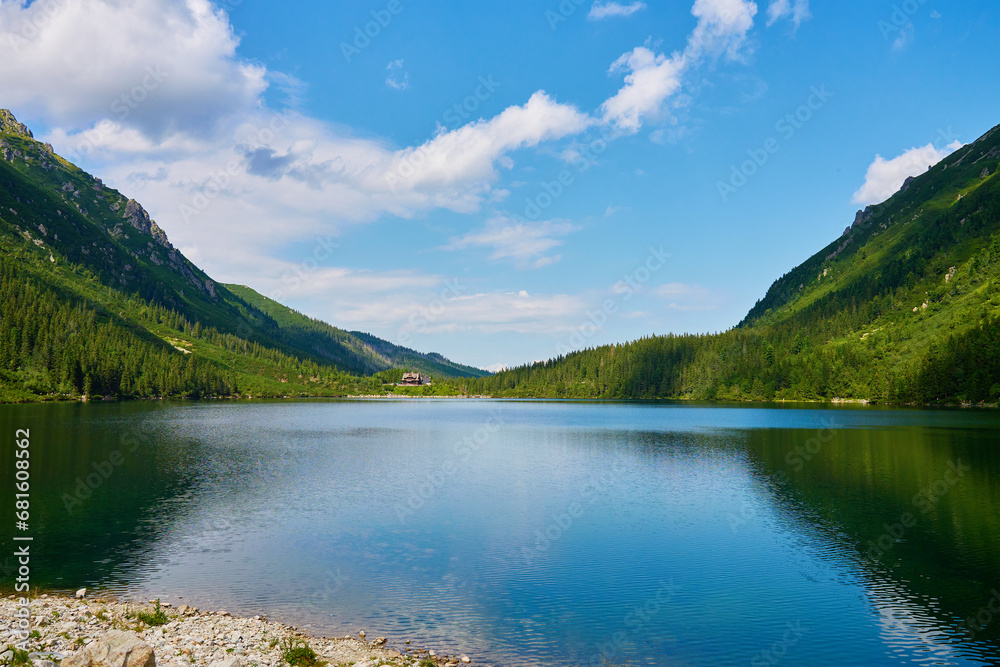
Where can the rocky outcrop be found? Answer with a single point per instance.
(137, 215)
(906, 183)
(10, 125)
(117, 648)
(864, 216)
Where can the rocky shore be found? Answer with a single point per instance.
(106, 632)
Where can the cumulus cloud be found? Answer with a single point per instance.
(723, 26)
(525, 242)
(795, 10)
(155, 98)
(472, 151)
(603, 10)
(885, 177)
(161, 66)
(651, 79)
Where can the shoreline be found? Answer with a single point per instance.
(186, 636)
(48, 399)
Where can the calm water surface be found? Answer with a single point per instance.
(539, 533)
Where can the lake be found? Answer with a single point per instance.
(537, 532)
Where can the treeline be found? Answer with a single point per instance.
(757, 364)
(50, 346)
(907, 314)
(54, 344)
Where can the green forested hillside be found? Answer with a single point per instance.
(307, 333)
(903, 307)
(96, 301)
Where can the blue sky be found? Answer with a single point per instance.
(503, 182)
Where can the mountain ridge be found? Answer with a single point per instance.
(93, 249)
(903, 307)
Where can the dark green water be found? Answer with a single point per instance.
(533, 532)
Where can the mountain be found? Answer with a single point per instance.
(902, 307)
(382, 354)
(96, 300)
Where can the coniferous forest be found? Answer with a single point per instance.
(904, 307)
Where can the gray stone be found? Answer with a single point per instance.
(117, 648)
(231, 661)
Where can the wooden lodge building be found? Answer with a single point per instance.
(414, 380)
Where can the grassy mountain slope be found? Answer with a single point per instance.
(97, 301)
(902, 307)
(305, 332)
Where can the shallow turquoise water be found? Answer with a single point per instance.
(537, 532)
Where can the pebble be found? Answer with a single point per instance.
(190, 637)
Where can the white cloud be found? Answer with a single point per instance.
(723, 26)
(796, 10)
(526, 242)
(471, 152)
(651, 79)
(885, 177)
(603, 10)
(935, 14)
(160, 66)
(155, 98)
(397, 77)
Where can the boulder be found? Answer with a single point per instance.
(117, 648)
(82, 593)
(231, 661)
